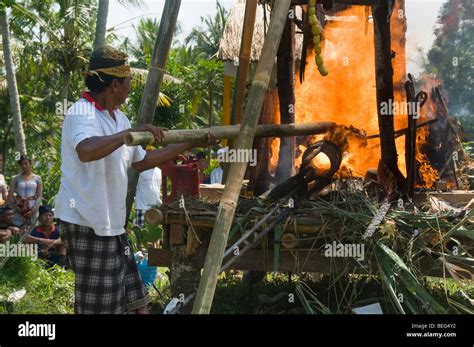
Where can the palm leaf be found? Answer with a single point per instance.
(393, 266)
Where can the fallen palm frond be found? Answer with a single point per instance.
(395, 255)
(410, 292)
(310, 301)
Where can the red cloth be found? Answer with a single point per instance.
(88, 97)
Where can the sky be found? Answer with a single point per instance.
(421, 19)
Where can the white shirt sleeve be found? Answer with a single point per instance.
(83, 127)
(138, 154)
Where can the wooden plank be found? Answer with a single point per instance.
(304, 225)
(176, 234)
(191, 243)
(255, 260)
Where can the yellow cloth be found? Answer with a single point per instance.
(108, 53)
(117, 71)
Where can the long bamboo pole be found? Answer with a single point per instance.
(227, 132)
(242, 69)
(228, 203)
(156, 72)
(244, 60)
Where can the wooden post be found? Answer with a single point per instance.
(242, 69)
(384, 90)
(226, 105)
(286, 94)
(410, 138)
(244, 61)
(260, 178)
(156, 72)
(228, 203)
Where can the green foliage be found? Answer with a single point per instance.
(399, 280)
(206, 39)
(467, 123)
(52, 42)
(48, 291)
(142, 49)
(213, 164)
(207, 79)
(199, 94)
(452, 55)
(140, 237)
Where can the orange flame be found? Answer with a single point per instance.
(428, 174)
(347, 95)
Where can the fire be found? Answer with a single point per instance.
(427, 173)
(347, 95)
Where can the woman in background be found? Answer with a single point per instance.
(3, 191)
(26, 193)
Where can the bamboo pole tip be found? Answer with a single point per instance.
(154, 216)
(128, 139)
(135, 138)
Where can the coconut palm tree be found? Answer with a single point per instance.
(101, 23)
(102, 14)
(67, 32)
(14, 96)
(207, 39)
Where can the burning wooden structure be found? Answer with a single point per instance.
(367, 78)
(370, 96)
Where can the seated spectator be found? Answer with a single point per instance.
(202, 164)
(7, 229)
(46, 236)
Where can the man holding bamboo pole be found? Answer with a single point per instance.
(91, 203)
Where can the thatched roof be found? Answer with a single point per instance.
(229, 48)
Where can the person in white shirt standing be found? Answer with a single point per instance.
(91, 202)
(148, 193)
(218, 173)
